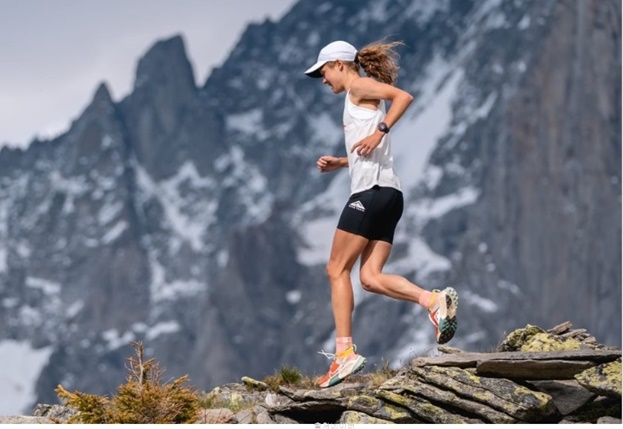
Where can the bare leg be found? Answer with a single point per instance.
(373, 260)
(344, 253)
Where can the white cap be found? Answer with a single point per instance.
(338, 50)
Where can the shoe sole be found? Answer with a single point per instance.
(447, 321)
(338, 378)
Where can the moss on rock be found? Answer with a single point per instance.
(544, 342)
(355, 417)
(603, 379)
(516, 339)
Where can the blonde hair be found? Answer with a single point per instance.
(379, 60)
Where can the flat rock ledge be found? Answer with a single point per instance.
(535, 376)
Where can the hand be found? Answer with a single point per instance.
(368, 144)
(327, 163)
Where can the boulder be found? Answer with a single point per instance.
(604, 379)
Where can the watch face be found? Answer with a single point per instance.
(383, 127)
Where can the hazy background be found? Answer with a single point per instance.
(53, 53)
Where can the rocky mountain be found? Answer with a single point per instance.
(192, 218)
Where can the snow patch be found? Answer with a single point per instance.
(415, 139)
(73, 310)
(250, 186)
(108, 212)
(4, 230)
(426, 209)
(326, 131)
(115, 232)
(3, 260)
(48, 287)
(249, 123)
(524, 23)
(162, 328)
(107, 141)
(222, 257)
(187, 226)
(432, 176)
(293, 297)
(323, 212)
(20, 369)
(115, 341)
(72, 187)
(161, 290)
(23, 250)
(420, 258)
(484, 304)
(509, 286)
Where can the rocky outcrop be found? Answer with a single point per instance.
(557, 376)
(556, 385)
(572, 379)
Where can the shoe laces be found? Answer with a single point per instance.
(333, 356)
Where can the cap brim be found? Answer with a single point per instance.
(314, 71)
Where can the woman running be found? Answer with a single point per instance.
(367, 224)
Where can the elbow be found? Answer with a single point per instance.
(408, 99)
(405, 98)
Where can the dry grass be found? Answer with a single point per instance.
(381, 375)
(290, 377)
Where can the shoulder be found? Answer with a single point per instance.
(362, 88)
(361, 83)
(366, 88)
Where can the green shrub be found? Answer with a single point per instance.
(143, 399)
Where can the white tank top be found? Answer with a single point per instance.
(378, 167)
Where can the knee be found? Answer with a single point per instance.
(369, 281)
(333, 270)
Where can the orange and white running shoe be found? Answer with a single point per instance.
(344, 364)
(443, 314)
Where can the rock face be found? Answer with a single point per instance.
(191, 217)
(457, 388)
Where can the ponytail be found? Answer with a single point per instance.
(380, 61)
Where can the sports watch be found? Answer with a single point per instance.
(382, 127)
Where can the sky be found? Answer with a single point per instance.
(54, 53)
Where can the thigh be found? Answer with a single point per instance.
(374, 256)
(346, 249)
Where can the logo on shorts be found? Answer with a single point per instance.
(357, 206)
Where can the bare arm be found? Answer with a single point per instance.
(329, 163)
(367, 91)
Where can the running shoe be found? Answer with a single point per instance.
(346, 363)
(443, 314)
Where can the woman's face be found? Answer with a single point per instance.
(332, 76)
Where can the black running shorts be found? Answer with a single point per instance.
(373, 213)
